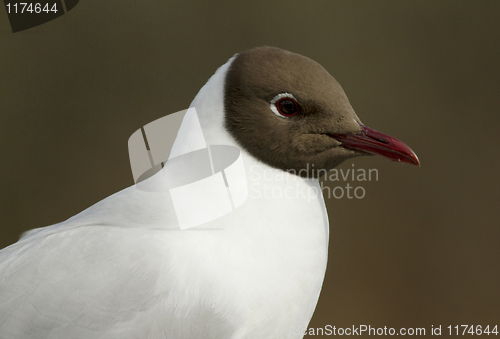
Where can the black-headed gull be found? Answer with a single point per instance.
(123, 268)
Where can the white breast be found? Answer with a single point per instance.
(122, 269)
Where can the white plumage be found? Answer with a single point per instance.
(123, 268)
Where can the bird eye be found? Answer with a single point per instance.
(284, 105)
(287, 107)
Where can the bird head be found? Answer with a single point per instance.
(287, 111)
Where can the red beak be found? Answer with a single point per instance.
(373, 142)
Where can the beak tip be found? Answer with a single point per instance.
(413, 160)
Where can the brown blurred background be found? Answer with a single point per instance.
(421, 249)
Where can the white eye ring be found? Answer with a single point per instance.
(278, 98)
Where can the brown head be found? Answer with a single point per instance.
(289, 112)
